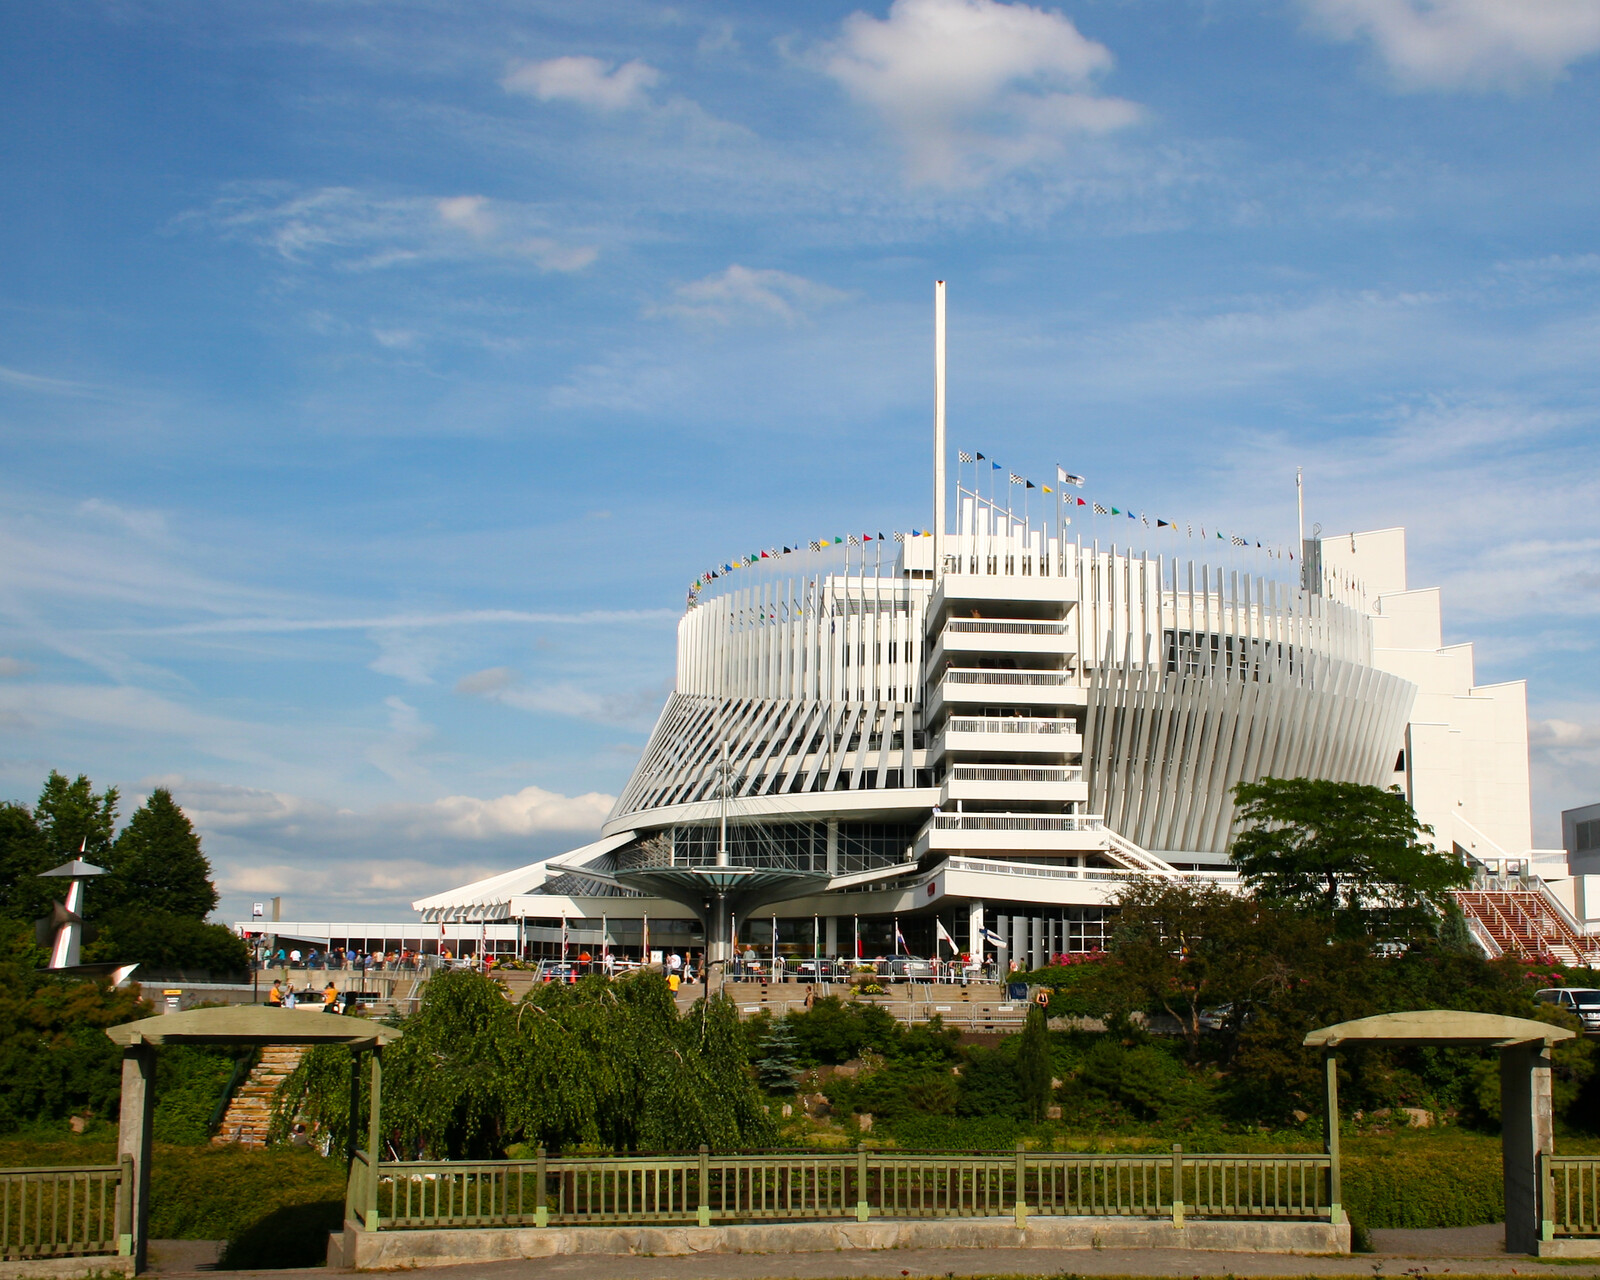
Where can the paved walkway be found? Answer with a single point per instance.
(1458, 1253)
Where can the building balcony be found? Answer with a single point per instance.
(1002, 636)
(996, 783)
(965, 687)
(1015, 833)
(1007, 735)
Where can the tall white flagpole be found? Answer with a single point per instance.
(938, 430)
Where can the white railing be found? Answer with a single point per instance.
(1483, 937)
(1013, 679)
(1017, 724)
(1141, 858)
(1014, 773)
(1018, 822)
(1033, 869)
(996, 627)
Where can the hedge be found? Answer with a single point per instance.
(1425, 1187)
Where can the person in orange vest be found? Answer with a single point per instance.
(275, 996)
(330, 998)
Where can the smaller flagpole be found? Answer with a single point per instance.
(816, 946)
(605, 940)
(858, 936)
(774, 944)
(644, 957)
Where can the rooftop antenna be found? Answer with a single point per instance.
(938, 429)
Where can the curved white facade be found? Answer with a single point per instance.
(997, 748)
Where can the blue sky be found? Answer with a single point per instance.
(374, 377)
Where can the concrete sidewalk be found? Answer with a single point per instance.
(1458, 1253)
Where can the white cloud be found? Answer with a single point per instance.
(364, 232)
(468, 213)
(588, 82)
(742, 294)
(369, 864)
(974, 88)
(10, 668)
(1477, 44)
(486, 683)
(145, 524)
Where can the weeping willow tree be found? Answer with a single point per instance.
(597, 1064)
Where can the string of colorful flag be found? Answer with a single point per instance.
(709, 576)
(1065, 479)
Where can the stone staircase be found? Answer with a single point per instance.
(249, 1112)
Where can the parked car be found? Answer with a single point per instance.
(1583, 1001)
(557, 971)
(912, 967)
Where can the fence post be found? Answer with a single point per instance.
(125, 1206)
(704, 1214)
(1020, 1209)
(541, 1207)
(863, 1209)
(1177, 1184)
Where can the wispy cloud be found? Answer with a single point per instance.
(635, 708)
(365, 231)
(1467, 44)
(742, 295)
(588, 82)
(975, 88)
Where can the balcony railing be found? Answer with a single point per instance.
(1018, 822)
(1014, 773)
(1012, 679)
(1011, 724)
(997, 627)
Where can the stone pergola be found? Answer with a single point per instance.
(1526, 1116)
(255, 1025)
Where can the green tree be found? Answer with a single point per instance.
(157, 864)
(1033, 1063)
(24, 853)
(779, 1064)
(598, 1063)
(1184, 948)
(74, 821)
(159, 940)
(1354, 854)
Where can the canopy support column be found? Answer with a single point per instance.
(374, 1137)
(1330, 1067)
(1526, 1133)
(133, 1141)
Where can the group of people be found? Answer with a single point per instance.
(347, 959)
(284, 996)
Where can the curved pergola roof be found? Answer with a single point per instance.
(253, 1024)
(1439, 1026)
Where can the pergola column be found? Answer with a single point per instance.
(133, 1141)
(374, 1136)
(1330, 1067)
(1526, 1132)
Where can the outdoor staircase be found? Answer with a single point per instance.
(1524, 920)
(249, 1112)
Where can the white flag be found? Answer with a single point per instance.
(941, 934)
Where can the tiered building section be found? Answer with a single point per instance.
(857, 744)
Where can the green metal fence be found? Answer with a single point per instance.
(64, 1212)
(1571, 1195)
(862, 1184)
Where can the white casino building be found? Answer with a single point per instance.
(997, 746)
(988, 729)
